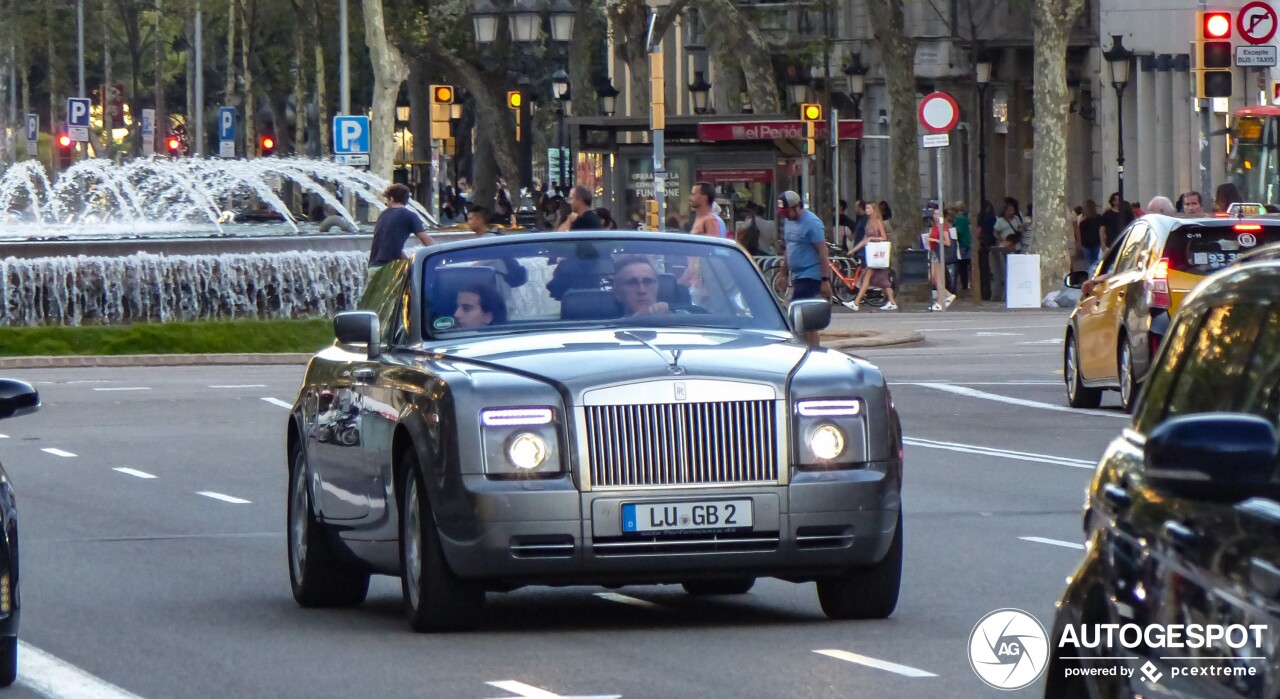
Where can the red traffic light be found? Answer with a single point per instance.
(64, 140)
(268, 143)
(1217, 25)
(174, 143)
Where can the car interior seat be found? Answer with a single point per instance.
(589, 304)
(446, 282)
(672, 293)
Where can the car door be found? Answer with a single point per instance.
(1099, 327)
(334, 442)
(1193, 541)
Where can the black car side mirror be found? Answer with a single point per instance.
(17, 398)
(809, 315)
(1212, 455)
(1075, 280)
(358, 328)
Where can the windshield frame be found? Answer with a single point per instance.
(769, 317)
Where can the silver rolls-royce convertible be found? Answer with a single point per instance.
(600, 408)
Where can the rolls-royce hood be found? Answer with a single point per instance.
(583, 359)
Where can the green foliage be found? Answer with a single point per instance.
(169, 338)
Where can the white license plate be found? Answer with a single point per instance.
(650, 517)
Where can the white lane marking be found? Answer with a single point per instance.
(133, 472)
(903, 670)
(962, 329)
(528, 691)
(277, 401)
(1052, 341)
(239, 385)
(124, 388)
(4, 436)
(624, 599)
(54, 678)
(224, 498)
(974, 393)
(83, 381)
(1052, 542)
(991, 334)
(999, 453)
(58, 452)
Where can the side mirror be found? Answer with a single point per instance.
(809, 315)
(17, 398)
(1212, 454)
(1075, 280)
(358, 328)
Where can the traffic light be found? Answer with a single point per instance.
(176, 146)
(66, 150)
(811, 114)
(515, 99)
(267, 146)
(651, 221)
(1213, 54)
(442, 96)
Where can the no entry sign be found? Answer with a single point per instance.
(939, 112)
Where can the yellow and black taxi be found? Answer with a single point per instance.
(1183, 559)
(1126, 303)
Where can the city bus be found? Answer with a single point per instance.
(1254, 163)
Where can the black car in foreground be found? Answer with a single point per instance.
(1179, 590)
(16, 398)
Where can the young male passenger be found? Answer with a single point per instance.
(479, 306)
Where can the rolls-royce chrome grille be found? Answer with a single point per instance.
(678, 444)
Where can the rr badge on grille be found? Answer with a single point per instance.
(680, 391)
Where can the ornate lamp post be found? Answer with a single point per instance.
(856, 73)
(798, 87)
(699, 89)
(608, 95)
(1119, 60)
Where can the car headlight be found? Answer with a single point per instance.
(826, 441)
(527, 451)
(520, 442)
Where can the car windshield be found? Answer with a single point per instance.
(526, 285)
(1207, 249)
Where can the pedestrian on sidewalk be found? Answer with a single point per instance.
(394, 226)
(962, 259)
(939, 239)
(1089, 236)
(874, 232)
(805, 262)
(1008, 232)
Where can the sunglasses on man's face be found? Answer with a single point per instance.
(640, 282)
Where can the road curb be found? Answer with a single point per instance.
(862, 339)
(128, 360)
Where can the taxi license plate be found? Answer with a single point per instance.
(658, 517)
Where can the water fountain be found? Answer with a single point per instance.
(157, 239)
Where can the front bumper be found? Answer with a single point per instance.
(821, 523)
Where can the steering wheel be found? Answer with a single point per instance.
(688, 308)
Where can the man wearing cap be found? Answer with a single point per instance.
(806, 253)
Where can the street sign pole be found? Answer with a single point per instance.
(658, 119)
(199, 96)
(833, 137)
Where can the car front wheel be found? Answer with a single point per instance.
(866, 592)
(8, 660)
(318, 578)
(1078, 396)
(435, 599)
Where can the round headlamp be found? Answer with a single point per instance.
(826, 441)
(527, 451)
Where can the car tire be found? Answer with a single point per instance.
(435, 599)
(1126, 376)
(316, 575)
(8, 660)
(1078, 395)
(723, 586)
(869, 592)
(1057, 684)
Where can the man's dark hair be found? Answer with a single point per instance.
(843, 205)
(491, 301)
(583, 194)
(1195, 194)
(706, 190)
(397, 193)
(477, 209)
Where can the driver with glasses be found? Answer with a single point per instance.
(635, 283)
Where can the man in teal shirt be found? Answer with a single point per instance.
(964, 240)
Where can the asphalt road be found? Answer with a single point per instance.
(169, 580)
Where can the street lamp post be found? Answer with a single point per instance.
(856, 72)
(699, 90)
(1119, 60)
(608, 95)
(560, 91)
(984, 78)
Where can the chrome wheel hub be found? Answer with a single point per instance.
(1071, 368)
(1126, 375)
(412, 543)
(298, 521)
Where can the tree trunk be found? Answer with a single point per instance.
(389, 71)
(246, 67)
(108, 141)
(629, 22)
(589, 31)
(231, 51)
(732, 33)
(299, 80)
(420, 110)
(1052, 236)
(191, 84)
(162, 114)
(485, 188)
(322, 96)
(897, 55)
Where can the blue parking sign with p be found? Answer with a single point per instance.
(33, 127)
(350, 135)
(227, 124)
(77, 111)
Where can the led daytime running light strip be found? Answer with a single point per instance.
(516, 417)
(816, 408)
